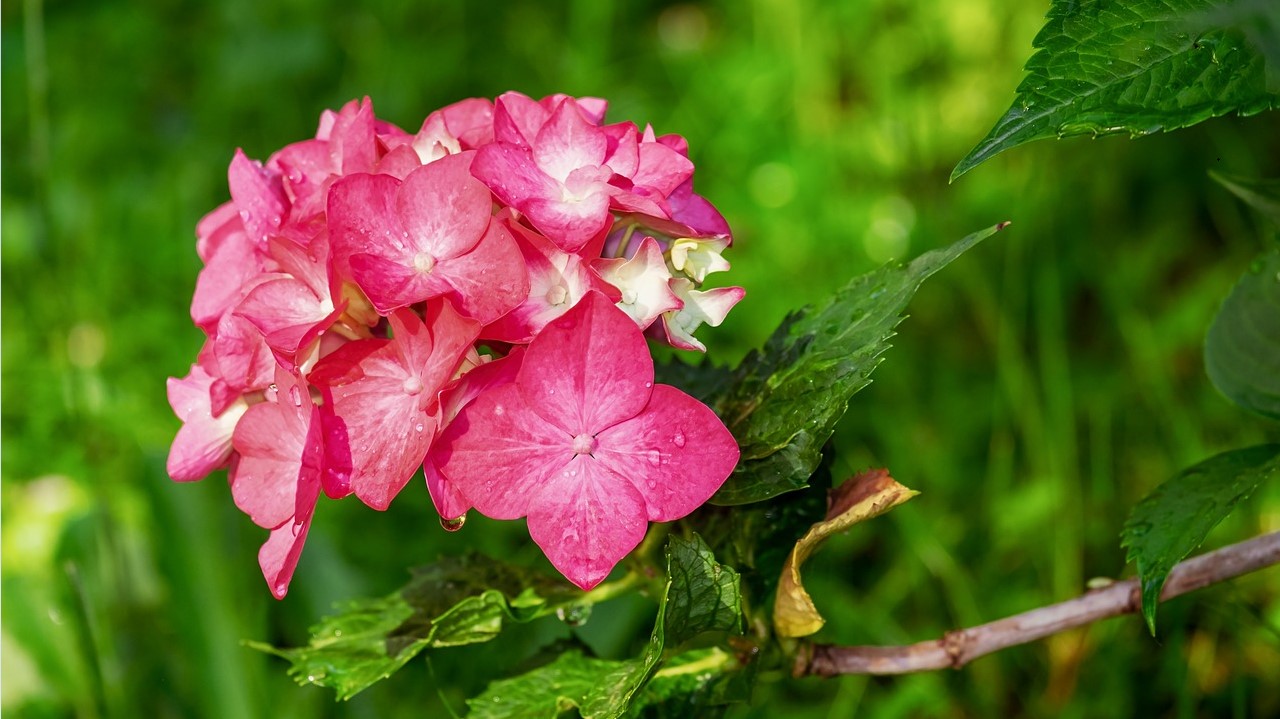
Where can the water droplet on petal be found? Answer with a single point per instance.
(647, 385)
(453, 525)
(498, 410)
(654, 457)
(653, 484)
(678, 440)
(296, 395)
(418, 427)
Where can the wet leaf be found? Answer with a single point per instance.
(1140, 67)
(1173, 520)
(783, 402)
(459, 600)
(700, 595)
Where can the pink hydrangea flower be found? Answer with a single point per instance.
(352, 282)
(585, 445)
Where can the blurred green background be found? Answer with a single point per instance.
(1044, 383)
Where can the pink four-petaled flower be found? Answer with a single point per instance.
(584, 444)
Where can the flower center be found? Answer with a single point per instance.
(557, 295)
(412, 386)
(423, 262)
(584, 444)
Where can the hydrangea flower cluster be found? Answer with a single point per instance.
(471, 299)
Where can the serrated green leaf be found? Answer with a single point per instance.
(704, 595)
(784, 400)
(700, 595)
(1140, 67)
(459, 600)
(548, 691)
(703, 381)
(1261, 194)
(1242, 348)
(1173, 520)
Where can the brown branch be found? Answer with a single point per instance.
(957, 648)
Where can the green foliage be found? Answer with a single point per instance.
(549, 691)
(784, 400)
(1242, 349)
(700, 595)
(1140, 67)
(1174, 519)
(460, 600)
(703, 595)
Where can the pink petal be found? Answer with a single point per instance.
(696, 212)
(235, 263)
(571, 224)
(258, 195)
(380, 410)
(586, 519)
(557, 280)
(292, 310)
(351, 141)
(471, 121)
(593, 108)
(676, 453)
(512, 175)
(399, 162)
(489, 281)
(362, 218)
(517, 119)
(661, 169)
(443, 208)
(279, 555)
(498, 453)
(389, 284)
(306, 167)
(243, 357)
(568, 142)
(587, 370)
(448, 501)
(203, 444)
(623, 155)
(277, 441)
(215, 227)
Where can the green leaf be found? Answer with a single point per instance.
(703, 381)
(548, 691)
(785, 399)
(1242, 349)
(1140, 67)
(459, 600)
(1173, 520)
(1261, 194)
(704, 595)
(700, 595)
